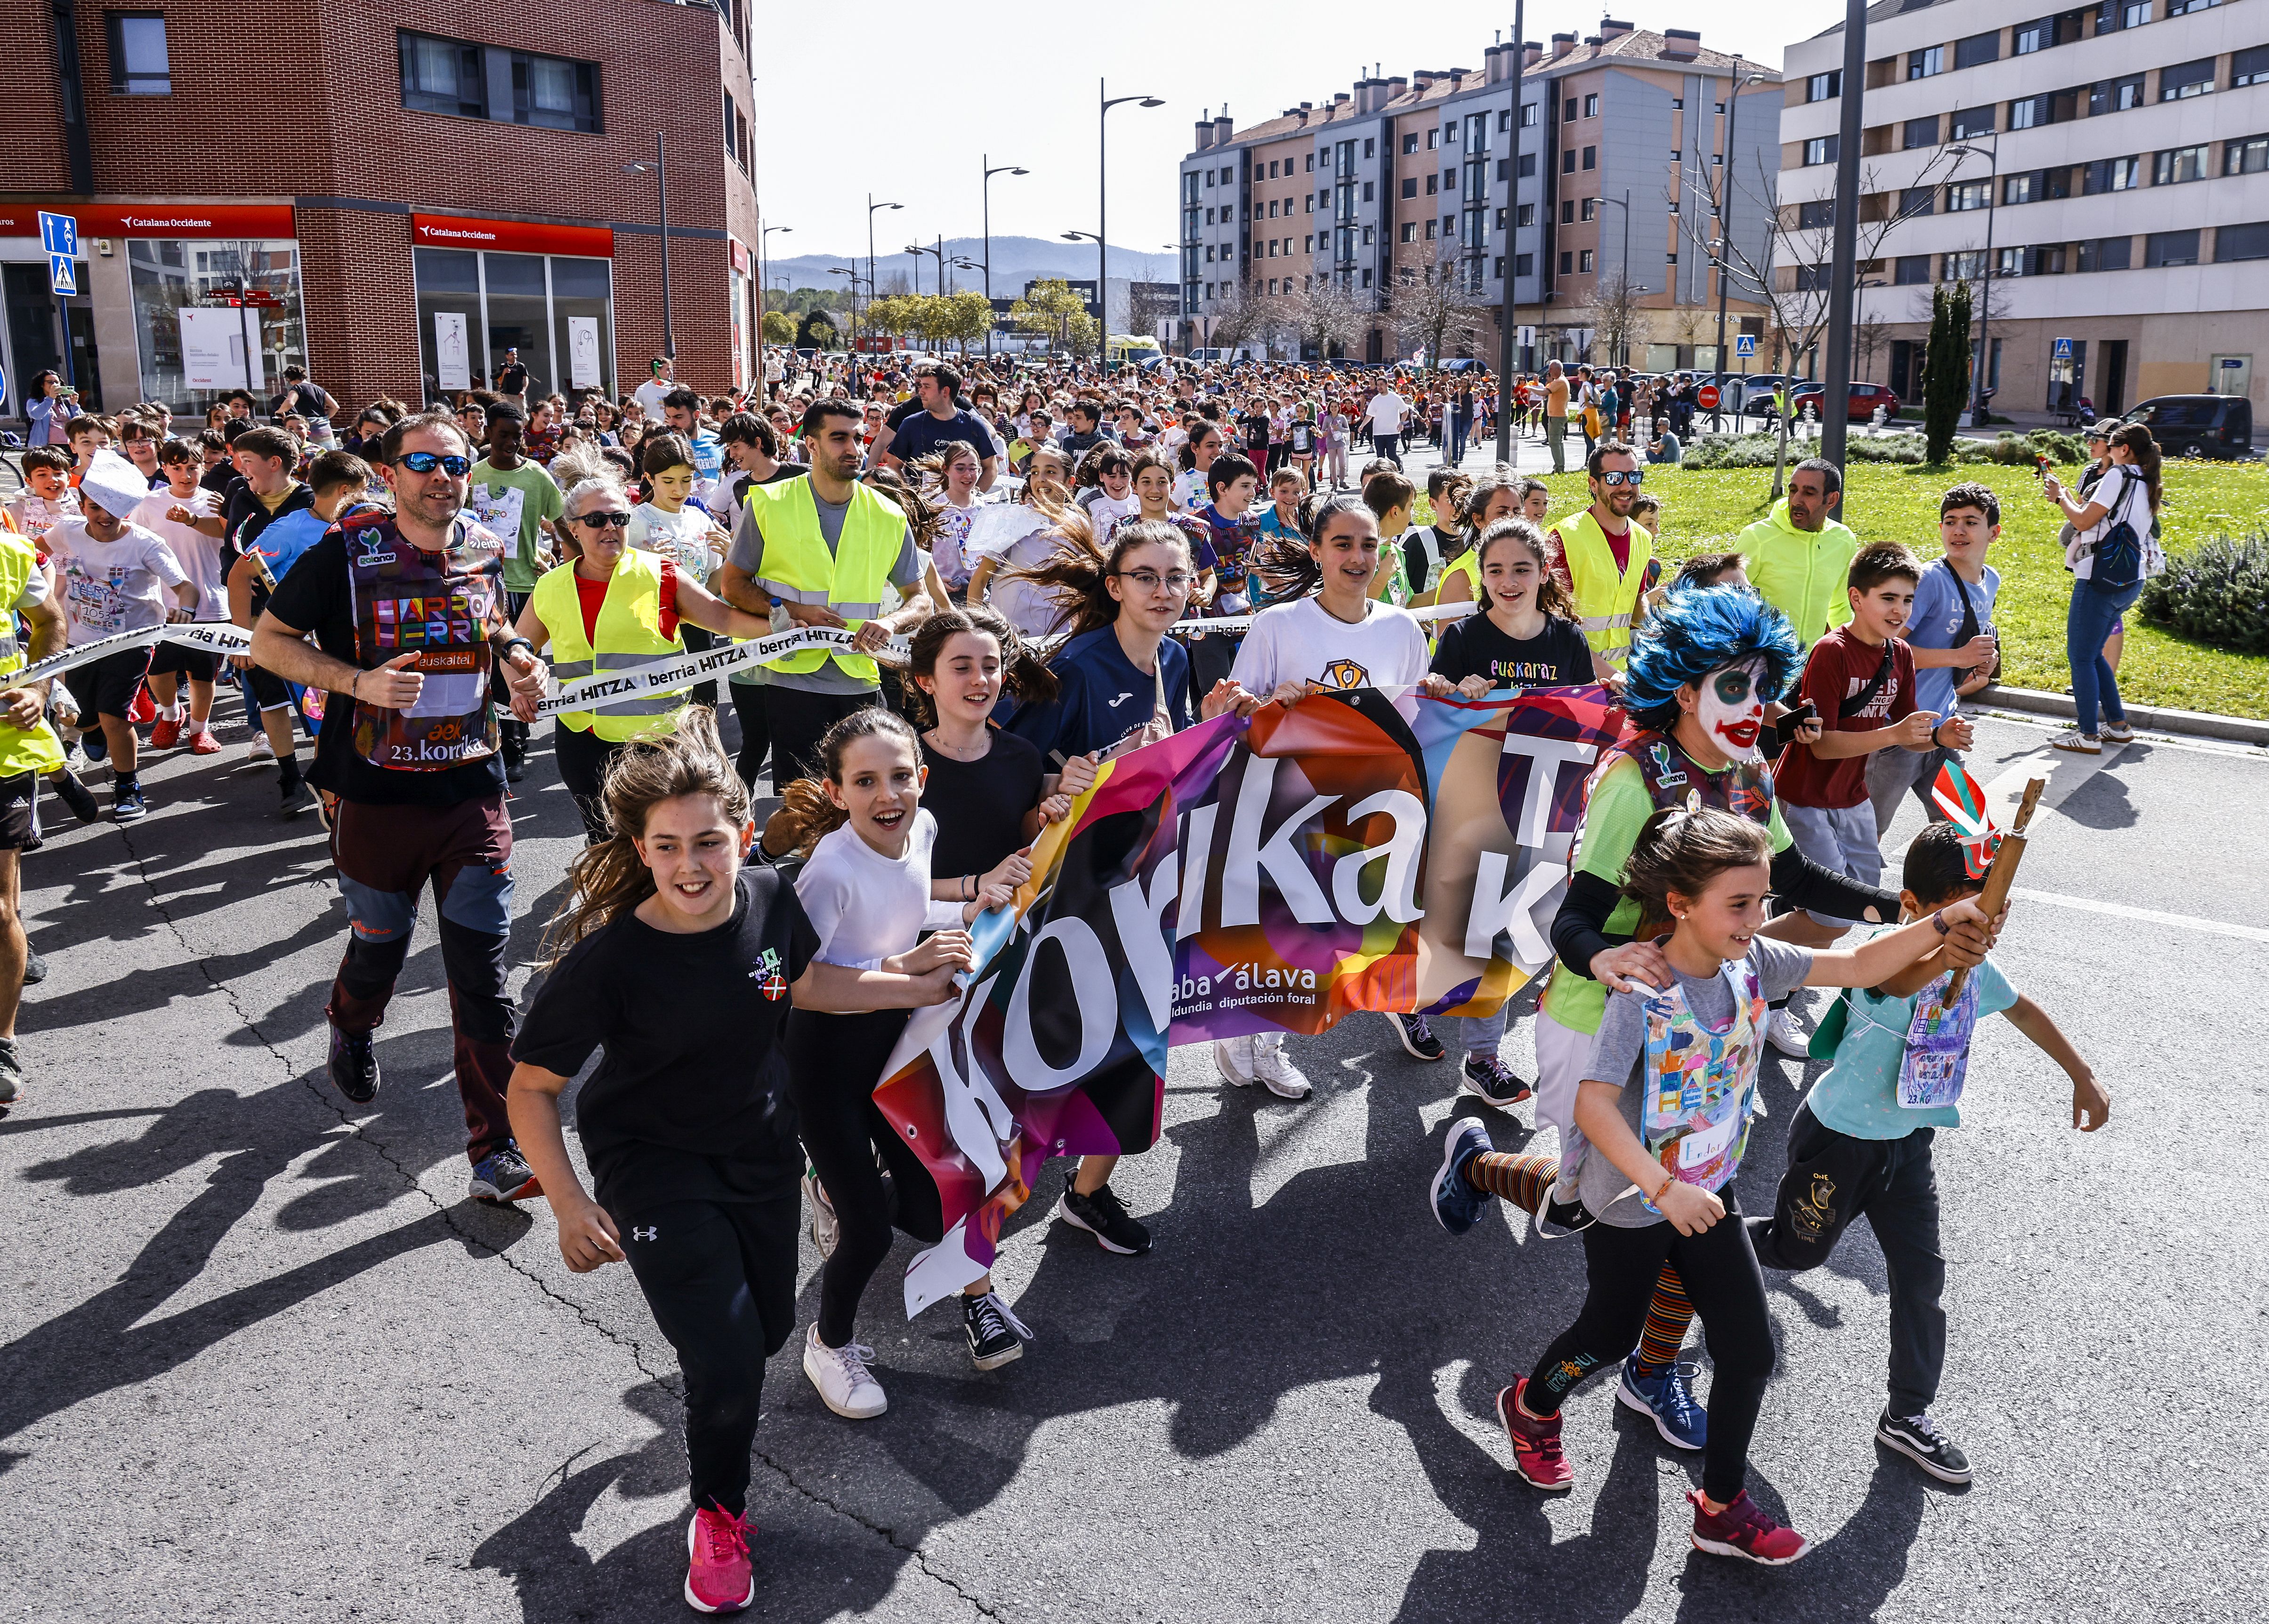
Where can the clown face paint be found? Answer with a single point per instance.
(1732, 711)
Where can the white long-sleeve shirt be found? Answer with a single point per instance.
(866, 906)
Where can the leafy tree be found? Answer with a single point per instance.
(1052, 309)
(1945, 368)
(780, 328)
(817, 332)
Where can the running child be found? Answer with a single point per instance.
(681, 965)
(1664, 1108)
(185, 518)
(1861, 1142)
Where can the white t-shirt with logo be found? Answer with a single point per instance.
(197, 553)
(683, 537)
(1387, 413)
(112, 587)
(1301, 643)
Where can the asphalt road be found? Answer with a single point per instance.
(261, 1358)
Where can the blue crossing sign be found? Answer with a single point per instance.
(1745, 344)
(2062, 351)
(62, 276)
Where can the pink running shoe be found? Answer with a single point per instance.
(1535, 1444)
(719, 1579)
(1741, 1530)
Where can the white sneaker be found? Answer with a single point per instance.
(262, 750)
(840, 1374)
(1277, 1073)
(1783, 1034)
(1232, 1058)
(826, 1228)
(2078, 743)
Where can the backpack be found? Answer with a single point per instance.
(2118, 553)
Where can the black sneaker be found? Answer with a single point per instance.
(1418, 1039)
(995, 1334)
(503, 1176)
(78, 797)
(354, 1066)
(298, 798)
(127, 805)
(1918, 1439)
(11, 1073)
(1103, 1216)
(1491, 1080)
(36, 968)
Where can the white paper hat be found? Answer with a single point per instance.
(114, 484)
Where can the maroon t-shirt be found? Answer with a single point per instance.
(1841, 665)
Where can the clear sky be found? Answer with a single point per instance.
(1020, 85)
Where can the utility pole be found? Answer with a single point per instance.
(1844, 274)
(1508, 306)
(1725, 161)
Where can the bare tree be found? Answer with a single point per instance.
(1436, 315)
(1320, 316)
(1871, 336)
(1613, 314)
(1238, 317)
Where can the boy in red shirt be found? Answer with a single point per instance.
(1860, 678)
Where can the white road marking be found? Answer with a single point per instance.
(2180, 922)
(2157, 741)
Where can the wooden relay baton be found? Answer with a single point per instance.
(2000, 876)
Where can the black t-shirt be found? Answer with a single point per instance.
(921, 433)
(689, 1100)
(1556, 657)
(1257, 430)
(314, 597)
(979, 805)
(512, 380)
(244, 516)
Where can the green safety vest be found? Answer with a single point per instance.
(798, 569)
(37, 750)
(629, 636)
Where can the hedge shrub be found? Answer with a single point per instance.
(2218, 593)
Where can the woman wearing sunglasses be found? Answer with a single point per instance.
(614, 609)
(1601, 558)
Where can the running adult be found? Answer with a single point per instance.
(1387, 413)
(692, 1152)
(1800, 557)
(410, 747)
(29, 751)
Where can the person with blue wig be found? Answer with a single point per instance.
(1703, 671)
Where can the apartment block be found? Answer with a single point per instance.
(2109, 166)
(1407, 181)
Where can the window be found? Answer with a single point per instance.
(2106, 254)
(1528, 214)
(731, 151)
(1671, 257)
(1965, 267)
(1590, 158)
(1369, 190)
(1816, 215)
(2170, 248)
(1923, 64)
(1370, 235)
(1410, 141)
(1675, 155)
(1583, 260)
(1819, 149)
(1968, 122)
(1366, 274)
(1307, 202)
(2179, 164)
(2187, 78)
(1568, 111)
(2009, 262)
(1910, 270)
(557, 94)
(1966, 194)
(440, 76)
(2042, 34)
(1914, 199)
(1528, 115)
(1568, 161)
(1591, 208)
(1504, 168)
(2021, 189)
(468, 81)
(2032, 111)
(1272, 208)
(1677, 102)
(1567, 264)
(1409, 231)
(137, 54)
(2180, 8)
(1527, 166)
(2115, 95)
(1814, 279)
(1824, 86)
(1433, 139)
(2111, 174)
(1430, 230)
(1370, 147)
(1208, 179)
(1524, 264)
(1310, 166)
(1977, 49)
(1433, 185)
(1410, 186)
(1591, 106)
(2242, 242)
(2249, 66)
(2250, 155)
(1567, 212)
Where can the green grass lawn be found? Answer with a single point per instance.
(1704, 509)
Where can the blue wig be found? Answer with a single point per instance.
(1699, 630)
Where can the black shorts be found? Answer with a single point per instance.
(199, 664)
(20, 812)
(270, 691)
(106, 687)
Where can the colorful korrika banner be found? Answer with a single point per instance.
(1362, 850)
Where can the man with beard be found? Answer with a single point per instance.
(1602, 557)
(1799, 556)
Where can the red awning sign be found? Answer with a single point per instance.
(258, 221)
(454, 231)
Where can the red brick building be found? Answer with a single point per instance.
(389, 197)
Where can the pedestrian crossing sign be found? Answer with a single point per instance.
(62, 275)
(1745, 344)
(2063, 351)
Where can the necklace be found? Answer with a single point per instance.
(960, 752)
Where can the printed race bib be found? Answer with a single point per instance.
(1938, 1046)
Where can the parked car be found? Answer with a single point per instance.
(2199, 426)
(1864, 399)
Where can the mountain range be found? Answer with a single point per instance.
(1015, 260)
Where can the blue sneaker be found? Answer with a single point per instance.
(503, 1176)
(1456, 1205)
(1668, 1401)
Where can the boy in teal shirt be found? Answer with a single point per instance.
(1861, 1141)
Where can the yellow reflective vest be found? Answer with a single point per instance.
(798, 568)
(629, 636)
(1604, 597)
(38, 750)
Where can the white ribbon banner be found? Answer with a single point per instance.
(216, 636)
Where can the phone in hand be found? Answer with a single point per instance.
(1802, 714)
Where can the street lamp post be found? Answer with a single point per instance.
(1623, 339)
(1835, 389)
(1102, 225)
(872, 209)
(1508, 306)
(938, 254)
(1993, 157)
(1725, 233)
(762, 234)
(852, 273)
(990, 169)
(660, 166)
(1086, 236)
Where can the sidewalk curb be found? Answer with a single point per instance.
(2192, 724)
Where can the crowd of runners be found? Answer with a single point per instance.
(1015, 550)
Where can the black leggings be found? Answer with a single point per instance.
(1723, 1283)
(756, 730)
(834, 1062)
(583, 758)
(721, 1279)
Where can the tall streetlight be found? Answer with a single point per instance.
(938, 254)
(660, 172)
(1103, 332)
(990, 169)
(1724, 243)
(1623, 339)
(762, 234)
(1181, 312)
(873, 207)
(1102, 225)
(1993, 157)
(1836, 387)
(1508, 306)
(843, 270)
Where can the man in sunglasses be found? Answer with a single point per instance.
(407, 613)
(1603, 557)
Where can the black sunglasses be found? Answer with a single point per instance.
(603, 521)
(426, 461)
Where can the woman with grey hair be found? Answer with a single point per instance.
(613, 608)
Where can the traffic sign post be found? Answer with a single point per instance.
(1706, 397)
(62, 276)
(59, 236)
(1745, 344)
(2063, 351)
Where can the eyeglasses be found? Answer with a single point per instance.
(616, 521)
(426, 461)
(1622, 477)
(1150, 580)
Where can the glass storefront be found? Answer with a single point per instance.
(245, 324)
(474, 305)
